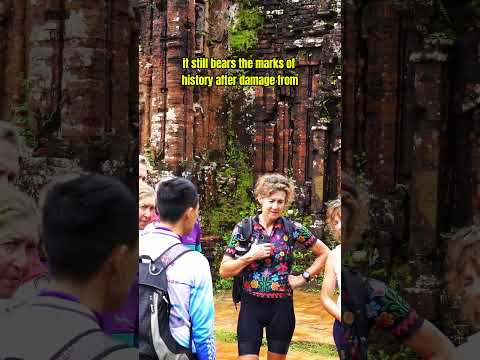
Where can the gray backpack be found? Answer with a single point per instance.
(155, 338)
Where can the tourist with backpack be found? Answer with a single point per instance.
(193, 239)
(260, 257)
(175, 284)
(92, 250)
(368, 303)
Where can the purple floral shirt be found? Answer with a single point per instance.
(268, 278)
(384, 309)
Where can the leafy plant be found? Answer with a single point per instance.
(243, 33)
(360, 164)
(22, 116)
(223, 284)
(234, 181)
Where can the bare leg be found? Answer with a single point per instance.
(248, 357)
(275, 356)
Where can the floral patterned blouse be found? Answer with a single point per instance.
(384, 309)
(268, 278)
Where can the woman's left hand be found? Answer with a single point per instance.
(296, 281)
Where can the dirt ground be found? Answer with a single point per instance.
(313, 324)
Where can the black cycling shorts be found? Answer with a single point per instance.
(277, 315)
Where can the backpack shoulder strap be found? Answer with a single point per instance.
(90, 344)
(176, 256)
(150, 270)
(246, 228)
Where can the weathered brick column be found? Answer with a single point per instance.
(382, 81)
(14, 56)
(319, 147)
(66, 75)
(4, 12)
(428, 158)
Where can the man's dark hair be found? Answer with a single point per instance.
(84, 219)
(174, 197)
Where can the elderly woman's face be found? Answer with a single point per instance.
(17, 246)
(273, 205)
(146, 212)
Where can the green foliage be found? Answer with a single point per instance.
(337, 71)
(303, 218)
(150, 156)
(400, 276)
(23, 118)
(225, 336)
(314, 348)
(442, 27)
(329, 239)
(360, 164)
(223, 284)
(243, 33)
(476, 4)
(242, 40)
(403, 353)
(234, 179)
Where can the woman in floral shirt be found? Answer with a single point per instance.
(368, 303)
(266, 270)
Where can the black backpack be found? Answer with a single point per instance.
(246, 229)
(357, 299)
(155, 338)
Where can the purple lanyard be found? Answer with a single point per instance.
(164, 228)
(68, 297)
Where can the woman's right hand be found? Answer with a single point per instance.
(259, 251)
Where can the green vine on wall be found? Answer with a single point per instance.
(234, 180)
(22, 117)
(243, 33)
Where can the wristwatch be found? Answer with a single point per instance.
(306, 276)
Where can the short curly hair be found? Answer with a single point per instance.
(463, 249)
(334, 208)
(268, 184)
(145, 191)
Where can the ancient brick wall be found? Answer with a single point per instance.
(179, 124)
(66, 77)
(298, 129)
(409, 105)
